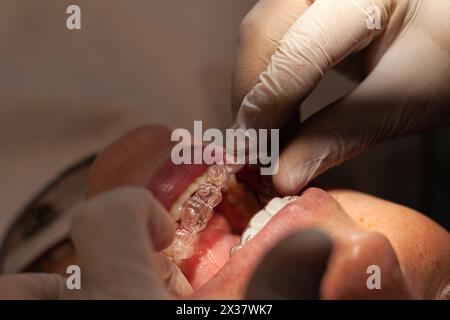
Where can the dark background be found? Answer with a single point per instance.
(413, 171)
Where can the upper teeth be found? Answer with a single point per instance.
(175, 210)
(263, 216)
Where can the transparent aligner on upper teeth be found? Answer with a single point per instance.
(218, 175)
(183, 244)
(197, 211)
(261, 218)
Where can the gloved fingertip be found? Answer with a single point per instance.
(26, 286)
(254, 111)
(288, 180)
(286, 186)
(297, 168)
(163, 232)
(178, 284)
(162, 225)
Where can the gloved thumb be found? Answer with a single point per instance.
(293, 269)
(380, 109)
(125, 228)
(28, 286)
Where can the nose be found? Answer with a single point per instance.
(293, 269)
(364, 265)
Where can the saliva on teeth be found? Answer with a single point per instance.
(197, 211)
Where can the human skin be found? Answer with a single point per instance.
(412, 251)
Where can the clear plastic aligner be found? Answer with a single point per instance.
(197, 211)
(218, 175)
(210, 194)
(184, 243)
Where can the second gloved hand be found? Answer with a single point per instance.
(118, 237)
(286, 47)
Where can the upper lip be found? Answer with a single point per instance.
(169, 180)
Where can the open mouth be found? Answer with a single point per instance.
(239, 215)
(142, 158)
(242, 213)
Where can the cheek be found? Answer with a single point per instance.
(422, 246)
(424, 254)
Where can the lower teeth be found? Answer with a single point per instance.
(261, 218)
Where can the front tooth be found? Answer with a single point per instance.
(276, 204)
(192, 188)
(247, 235)
(260, 219)
(175, 211)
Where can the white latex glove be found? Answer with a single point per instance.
(286, 46)
(116, 236)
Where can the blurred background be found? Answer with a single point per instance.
(67, 94)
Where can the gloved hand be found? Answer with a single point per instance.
(286, 47)
(116, 236)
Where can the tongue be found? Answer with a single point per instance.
(212, 252)
(223, 232)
